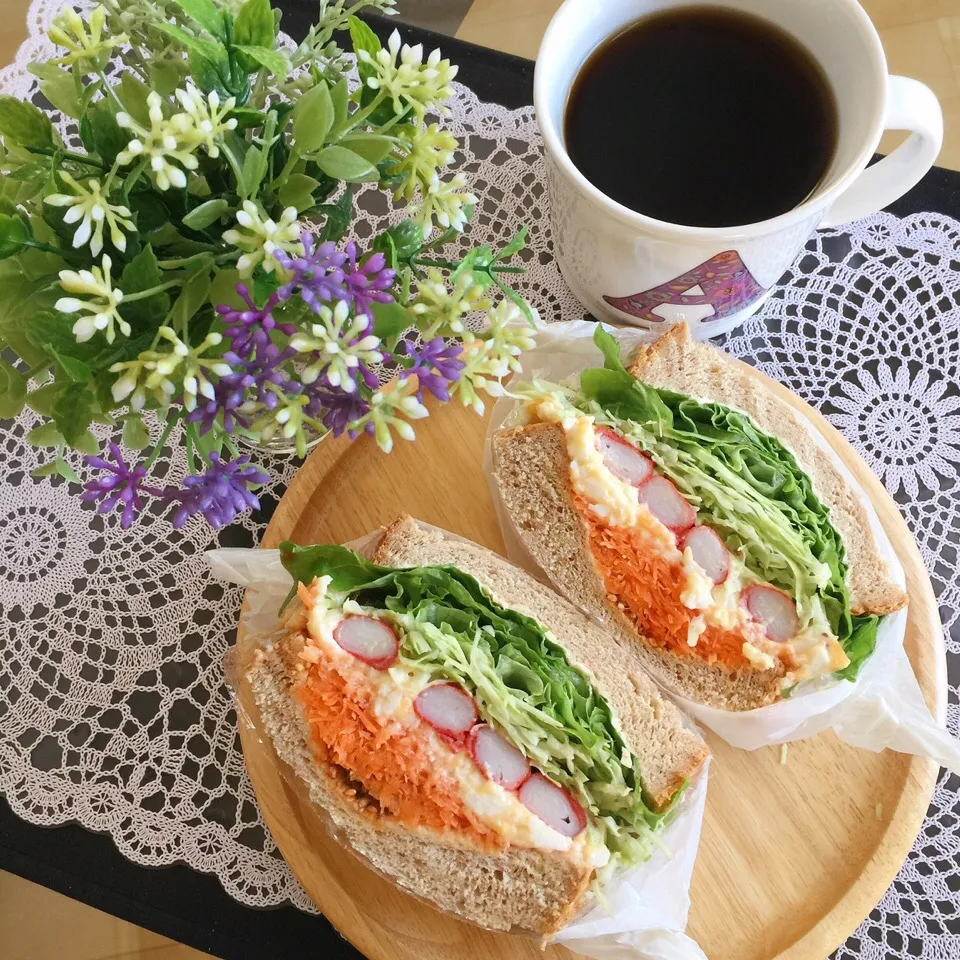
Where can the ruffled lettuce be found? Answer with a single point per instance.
(518, 674)
(746, 484)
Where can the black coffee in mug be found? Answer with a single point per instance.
(702, 116)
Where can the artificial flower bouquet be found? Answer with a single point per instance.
(181, 248)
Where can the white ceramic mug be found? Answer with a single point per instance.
(628, 268)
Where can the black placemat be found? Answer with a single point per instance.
(176, 901)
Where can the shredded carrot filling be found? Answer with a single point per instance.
(648, 589)
(391, 762)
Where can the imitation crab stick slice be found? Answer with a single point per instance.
(622, 458)
(369, 640)
(448, 708)
(709, 552)
(774, 609)
(667, 504)
(499, 760)
(553, 805)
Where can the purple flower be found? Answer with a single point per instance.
(367, 283)
(436, 366)
(220, 494)
(264, 368)
(122, 485)
(318, 273)
(250, 329)
(335, 408)
(228, 394)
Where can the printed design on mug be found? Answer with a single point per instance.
(722, 282)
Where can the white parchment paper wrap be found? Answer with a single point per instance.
(884, 707)
(647, 907)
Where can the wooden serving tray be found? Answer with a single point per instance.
(792, 857)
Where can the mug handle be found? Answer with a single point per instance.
(912, 106)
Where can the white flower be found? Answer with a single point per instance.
(100, 311)
(68, 30)
(151, 373)
(509, 333)
(430, 148)
(388, 407)
(440, 312)
(444, 203)
(164, 142)
(89, 206)
(260, 237)
(204, 118)
(411, 82)
(341, 344)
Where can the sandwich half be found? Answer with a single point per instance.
(469, 733)
(693, 511)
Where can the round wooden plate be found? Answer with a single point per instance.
(792, 856)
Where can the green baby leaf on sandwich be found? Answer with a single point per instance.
(518, 674)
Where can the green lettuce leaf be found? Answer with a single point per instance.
(746, 485)
(516, 671)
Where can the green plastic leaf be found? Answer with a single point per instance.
(343, 164)
(213, 53)
(515, 245)
(108, 137)
(73, 413)
(164, 78)
(193, 295)
(46, 435)
(363, 38)
(251, 175)
(371, 147)
(390, 320)
(133, 94)
(86, 443)
(223, 289)
(199, 218)
(21, 300)
(135, 434)
(61, 91)
(66, 471)
(13, 390)
(255, 25)
(339, 216)
(205, 14)
(340, 97)
(46, 470)
(140, 274)
(14, 234)
(406, 239)
(312, 119)
(43, 398)
(274, 61)
(209, 74)
(23, 125)
(75, 369)
(297, 192)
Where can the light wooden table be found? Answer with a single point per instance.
(922, 40)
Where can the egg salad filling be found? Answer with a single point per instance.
(745, 486)
(542, 713)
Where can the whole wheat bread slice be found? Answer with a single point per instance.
(677, 362)
(519, 890)
(533, 475)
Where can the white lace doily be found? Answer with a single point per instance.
(113, 711)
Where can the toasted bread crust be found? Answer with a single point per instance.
(519, 890)
(533, 475)
(678, 362)
(652, 727)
